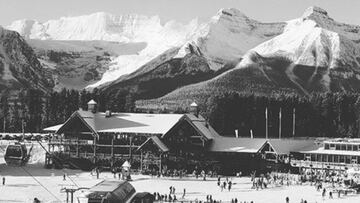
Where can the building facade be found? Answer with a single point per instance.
(160, 142)
(334, 154)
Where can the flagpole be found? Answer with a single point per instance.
(280, 123)
(294, 119)
(266, 119)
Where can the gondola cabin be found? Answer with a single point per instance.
(16, 154)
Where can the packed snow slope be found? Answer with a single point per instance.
(313, 54)
(19, 66)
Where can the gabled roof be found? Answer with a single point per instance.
(200, 124)
(127, 122)
(53, 128)
(157, 142)
(233, 144)
(285, 146)
(248, 145)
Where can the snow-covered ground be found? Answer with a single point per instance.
(24, 184)
(21, 187)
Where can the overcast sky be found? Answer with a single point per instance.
(181, 10)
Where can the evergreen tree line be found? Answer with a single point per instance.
(33, 111)
(317, 115)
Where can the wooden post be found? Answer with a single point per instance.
(94, 145)
(130, 149)
(77, 147)
(112, 151)
(160, 168)
(141, 161)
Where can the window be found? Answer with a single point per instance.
(318, 157)
(336, 158)
(355, 148)
(331, 157)
(343, 147)
(347, 159)
(313, 157)
(349, 147)
(327, 146)
(324, 158)
(332, 146)
(337, 147)
(341, 159)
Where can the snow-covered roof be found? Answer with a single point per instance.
(53, 128)
(127, 122)
(157, 142)
(92, 102)
(233, 144)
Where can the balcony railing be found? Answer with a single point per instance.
(323, 165)
(88, 142)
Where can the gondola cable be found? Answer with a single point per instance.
(40, 184)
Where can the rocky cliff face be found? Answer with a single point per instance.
(19, 65)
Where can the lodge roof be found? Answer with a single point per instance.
(157, 124)
(157, 142)
(53, 128)
(285, 146)
(233, 144)
(248, 145)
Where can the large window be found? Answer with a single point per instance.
(337, 147)
(355, 147)
(349, 147)
(336, 158)
(331, 157)
(341, 159)
(348, 159)
(313, 157)
(343, 147)
(324, 158)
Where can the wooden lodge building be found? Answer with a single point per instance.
(153, 142)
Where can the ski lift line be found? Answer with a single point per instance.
(41, 184)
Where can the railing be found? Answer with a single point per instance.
(86, 142)
(102, 155)
(329, 165)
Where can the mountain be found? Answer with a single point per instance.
(75, 64)
(19, 66)
(313, 54)
(107, 27)
(229, 35)
(222, 40)
(218, 44)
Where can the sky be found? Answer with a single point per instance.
(179, 10)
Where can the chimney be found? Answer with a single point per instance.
(194, 109)
(92, 106)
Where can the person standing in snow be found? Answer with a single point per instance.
(3, 180)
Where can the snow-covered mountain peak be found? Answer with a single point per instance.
(315, 11)
(230, 12)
